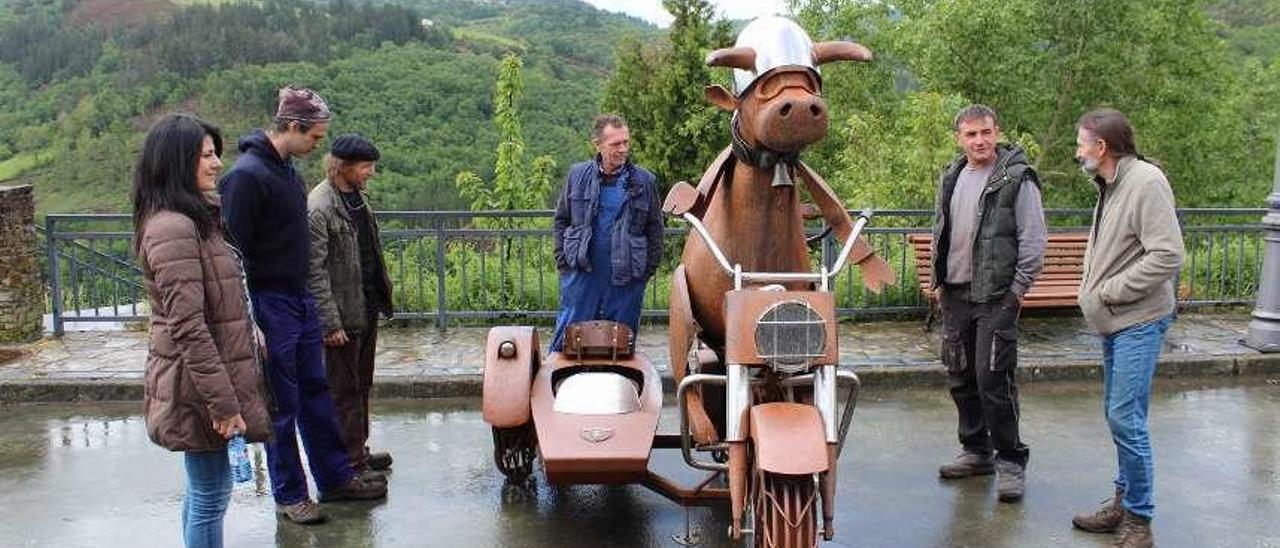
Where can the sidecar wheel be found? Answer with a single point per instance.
(514, 450)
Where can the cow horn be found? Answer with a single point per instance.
(741, 57)
(824, 52)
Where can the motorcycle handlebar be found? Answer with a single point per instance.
(735, 270)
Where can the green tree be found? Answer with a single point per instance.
(1041, 64)
(515, 185)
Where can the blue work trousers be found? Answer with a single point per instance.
(304, 406)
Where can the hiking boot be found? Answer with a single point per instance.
(1105, 520)
(1135, 532)
(356, 489)
(369, 475)
(968, 464)
(1011, 480)
(379, 461)
(303, 512)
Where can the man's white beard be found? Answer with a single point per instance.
(1089, 167)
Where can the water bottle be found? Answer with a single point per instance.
(238, 452)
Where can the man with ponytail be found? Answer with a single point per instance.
(1127, 296)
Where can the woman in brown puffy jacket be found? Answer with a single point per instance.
(203, 383)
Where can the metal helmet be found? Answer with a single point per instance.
(778, 42)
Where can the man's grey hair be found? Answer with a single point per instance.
(603, 121)
(975, 112)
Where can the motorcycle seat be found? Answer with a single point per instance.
(598, 339)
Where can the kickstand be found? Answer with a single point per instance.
(690, 537)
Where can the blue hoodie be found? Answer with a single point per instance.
(264, 209)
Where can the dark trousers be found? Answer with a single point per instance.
(980, 351)
(350, 371)
(295, 369)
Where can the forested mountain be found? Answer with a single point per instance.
(80, 80)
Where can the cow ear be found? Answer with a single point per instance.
(741, 57)
(824, 52)
(721, 97)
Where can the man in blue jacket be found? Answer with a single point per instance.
(264, 209)
(608, 233)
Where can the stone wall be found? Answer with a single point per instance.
(21, 287)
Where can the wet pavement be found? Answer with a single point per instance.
(427, 355)
(85, 475)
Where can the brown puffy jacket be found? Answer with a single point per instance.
(201, 365)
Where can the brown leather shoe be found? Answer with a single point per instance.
(968, 464)
(303, 512)
(380, 461)
(1135, 532)
(1105, 520)
(369, 475)
(356, 489)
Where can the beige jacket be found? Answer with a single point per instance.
(1135, 250)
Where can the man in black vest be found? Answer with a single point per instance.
(988, 239)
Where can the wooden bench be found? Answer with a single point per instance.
(1058, 285)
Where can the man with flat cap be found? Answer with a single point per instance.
(350, 284)
(264, 209)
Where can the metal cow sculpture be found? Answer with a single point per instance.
(747, 199)
(745, 288)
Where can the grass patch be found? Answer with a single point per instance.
(477, 35)
(14, 167)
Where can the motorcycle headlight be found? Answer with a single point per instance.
(790, 335)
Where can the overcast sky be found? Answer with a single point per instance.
(651, 10)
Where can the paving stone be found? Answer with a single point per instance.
(427, 362)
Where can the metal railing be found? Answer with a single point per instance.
(450, 266)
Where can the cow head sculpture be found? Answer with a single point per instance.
(778, 105)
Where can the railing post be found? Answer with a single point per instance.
(828, 247)
(1264, 330)
(442, 316)
(55, 273)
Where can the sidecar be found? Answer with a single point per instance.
(590, 411)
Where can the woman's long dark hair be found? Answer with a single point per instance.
(165, 177)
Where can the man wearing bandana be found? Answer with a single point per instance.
(608, 233)
(264, 208)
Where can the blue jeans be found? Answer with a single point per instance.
(1128, 366)
(208, 493)
(304, 405)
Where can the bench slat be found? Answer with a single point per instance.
(1058, 285)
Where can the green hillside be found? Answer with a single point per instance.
(80, 80)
